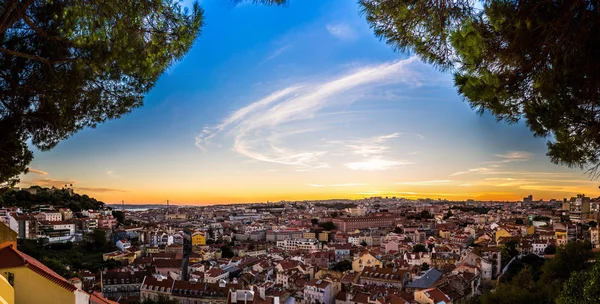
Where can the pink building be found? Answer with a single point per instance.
(106, 222)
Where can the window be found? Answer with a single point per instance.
(10, 277)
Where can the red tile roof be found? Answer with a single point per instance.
(10, 257)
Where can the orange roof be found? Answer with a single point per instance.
(11, 257)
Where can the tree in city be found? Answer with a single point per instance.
(397, 230)
(550, 249)
(342, 265)
(424, 266)
(227, 252)
(162, 299)
(364, 243)
(327, 226)
(582, 287)
(531, 60)
(448, 215)
(419, 248)
(314, 221)
(68, 65)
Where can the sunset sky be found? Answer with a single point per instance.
(302, 102)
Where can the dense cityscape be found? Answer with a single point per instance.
(377, 250)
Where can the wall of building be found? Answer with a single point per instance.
(7, 292)
(32, 288)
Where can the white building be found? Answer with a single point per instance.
(53, 216)
(318, 292)
(299, 244)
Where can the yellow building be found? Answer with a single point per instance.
(7, 292)
(324, 236)
(502, 233)
(365, 260)
(35, 283)
(198, 239)
(309, 235)
(561, 237)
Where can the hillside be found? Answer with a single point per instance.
(59, 198)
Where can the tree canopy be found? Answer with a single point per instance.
(532, 60)
(70, 64)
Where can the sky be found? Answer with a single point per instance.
(302, 102)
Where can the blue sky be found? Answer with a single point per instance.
(302, 102)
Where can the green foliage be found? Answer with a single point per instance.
(314, 221)
(534, 280)
(426, 215)
(58, 198)
(337, 206)
(508, 251)
(67, 65)
(541, 218)
(342, 265)
(480, 210)
(419, 248)
(522, 289)
(519, 221)
(327, 226)
(86, 255)
(397, 230)
(226, 252)
(364, 243)
(162, 299)
(550, 249)
(425, 267)
(532, 60)
(448, 215)
(582, 287)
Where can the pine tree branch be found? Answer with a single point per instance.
(14, 13)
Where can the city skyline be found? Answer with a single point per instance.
(314, 108)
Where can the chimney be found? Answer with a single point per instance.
(76, 282)
(233, 293)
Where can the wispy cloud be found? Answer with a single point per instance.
(48, 182)
(347, 185)
(112, 174)
(100, 190)
(515, 155)
(36, 171)
(341, 31)
(377, 164)
(368, 147)
(474, 170)
(426, 183)
(464, 185)
(275, 53)
(264, 130)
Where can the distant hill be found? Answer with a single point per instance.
(61, 198)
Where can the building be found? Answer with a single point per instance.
(380, 220)
(27, 226)
(57, 231)
(34, 283)
(365, 260)
(318, 292)
(385, 276)
(66, 213)
(432, 296)
(299, 244)
(7, 292)
(198, 239)
(107, 222)
(53, 216)
(117, 284)
(187, 292)
(579, 208)
(215, 275)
